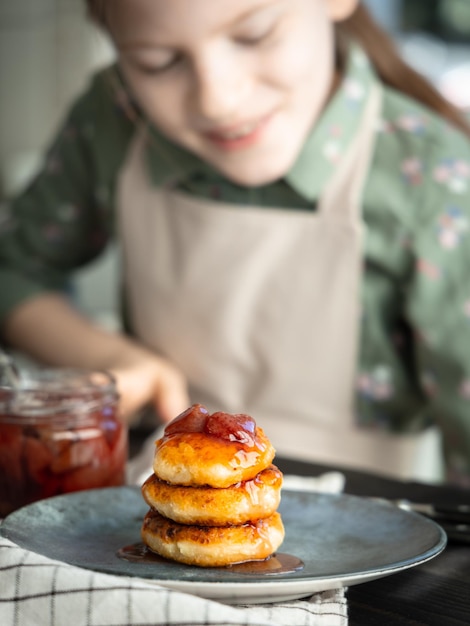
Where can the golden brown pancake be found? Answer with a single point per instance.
(212, 546)
(199, 459)
(214, 492)
(245, 501)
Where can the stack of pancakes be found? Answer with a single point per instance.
(214, 492)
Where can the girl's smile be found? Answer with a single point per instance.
(241, 135)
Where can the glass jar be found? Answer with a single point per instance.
(59, 433)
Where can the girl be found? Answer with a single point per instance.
(292, 204)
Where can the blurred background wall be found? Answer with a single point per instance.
(48, 49)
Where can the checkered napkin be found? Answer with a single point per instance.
(37, 591)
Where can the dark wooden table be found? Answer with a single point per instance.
(436, 593)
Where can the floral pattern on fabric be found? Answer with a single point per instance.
(412, 170)
(377, 384)
(454, 174)
(466, 308)
(428, 269)
(464, 389)
(334, 145)
(413, 123)
(452, 227)
(354, 91)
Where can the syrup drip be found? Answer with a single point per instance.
(279, 563)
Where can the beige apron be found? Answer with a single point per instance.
(260, 307)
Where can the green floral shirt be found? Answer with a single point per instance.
(414, 364)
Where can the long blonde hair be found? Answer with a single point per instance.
(382, 52)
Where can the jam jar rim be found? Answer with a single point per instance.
(66, 397)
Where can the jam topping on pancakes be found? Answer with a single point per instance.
(239, 427)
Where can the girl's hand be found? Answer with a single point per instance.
(151, 380)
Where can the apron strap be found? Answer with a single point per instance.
(346, 186)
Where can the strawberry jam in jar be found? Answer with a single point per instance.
(59, 433)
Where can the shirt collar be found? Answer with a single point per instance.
(167, 162)
(328, 140)
(335, 130)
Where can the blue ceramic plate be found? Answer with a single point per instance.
(342, 540)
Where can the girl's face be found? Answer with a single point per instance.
(239, 83)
